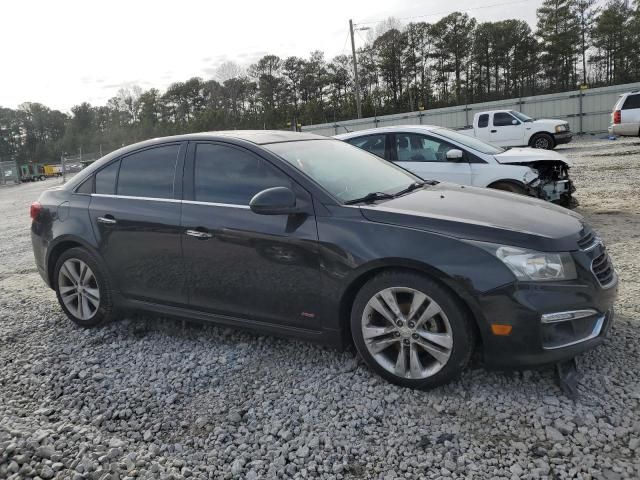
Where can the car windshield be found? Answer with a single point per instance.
(346, 172)
(470, 142)
(521, 116)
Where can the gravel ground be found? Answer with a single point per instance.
(153, 398)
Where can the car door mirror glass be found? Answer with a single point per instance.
(454, 154)
(274, 201)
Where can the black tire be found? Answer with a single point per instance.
(543, 141)
(509, 187)
(105, 310)
(461, 328)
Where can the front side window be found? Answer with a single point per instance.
(502, 119)
(469, 142)
(106, 179)
(345, 172)
(149, 173)
(229, 175)
(632, 101)
(371, 143)
(412, 147)
(483, 120)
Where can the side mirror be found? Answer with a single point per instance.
(454, 154)
(515, 122)
(274, 201)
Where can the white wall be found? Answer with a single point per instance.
(597, 104)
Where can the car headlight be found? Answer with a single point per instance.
(561, 128)
(533, 266)
(529, 176)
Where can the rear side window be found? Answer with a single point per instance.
(229, 175)
(149, 173)
(371, 143)
(483, 120)
(632, 101)
(106, 179)
(502, 119)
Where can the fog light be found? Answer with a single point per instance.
(564, 316)
(501, 330)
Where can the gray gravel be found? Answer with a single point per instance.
(152, 398)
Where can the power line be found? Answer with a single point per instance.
(447, 12)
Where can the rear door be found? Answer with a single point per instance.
(261, 267)
(135, 214)
(506, 130)
(482, 127)
(426, 156)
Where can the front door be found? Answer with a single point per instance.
(507, 130)
(262, 267)
(135, 214)
(426, 156)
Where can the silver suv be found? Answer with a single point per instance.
(625, 119)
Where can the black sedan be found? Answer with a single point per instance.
(297, 234)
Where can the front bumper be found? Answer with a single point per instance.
(564, 137)
(534, 339)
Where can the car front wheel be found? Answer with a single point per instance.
(410, 330)
(543, 141)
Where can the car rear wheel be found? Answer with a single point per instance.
(410, 330)
(543, 141)
(83, 288)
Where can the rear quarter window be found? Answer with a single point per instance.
(632, 101)
(483, 120)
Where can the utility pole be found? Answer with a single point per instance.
(355, 71)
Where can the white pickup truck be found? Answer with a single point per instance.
(508, 128)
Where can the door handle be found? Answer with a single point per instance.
(107, 220)
(494, 131)
(198, 234)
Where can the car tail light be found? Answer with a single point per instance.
(617, 117)
(36, 207)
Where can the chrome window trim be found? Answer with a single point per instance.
(214, 204)
(129, 197)
(597, 328)
(171, 200)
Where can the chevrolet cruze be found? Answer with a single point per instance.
(302, 235)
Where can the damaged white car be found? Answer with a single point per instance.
(437, 153)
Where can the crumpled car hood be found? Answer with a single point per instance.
(521, 155)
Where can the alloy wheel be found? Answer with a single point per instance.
(542, 143)
(78, 289)
(407, 332)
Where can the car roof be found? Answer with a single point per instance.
(257, 137)
(392, 129)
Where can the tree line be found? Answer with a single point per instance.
(421, 65)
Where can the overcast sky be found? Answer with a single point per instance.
(64, 52)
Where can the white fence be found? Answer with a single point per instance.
(587, 111)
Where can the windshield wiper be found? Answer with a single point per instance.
(410, 188)
(370, 197)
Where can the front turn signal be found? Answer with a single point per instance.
(501, 330)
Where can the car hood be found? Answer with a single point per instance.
(484, 215)
(523, 155)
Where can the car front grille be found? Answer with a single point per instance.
(602, 268)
